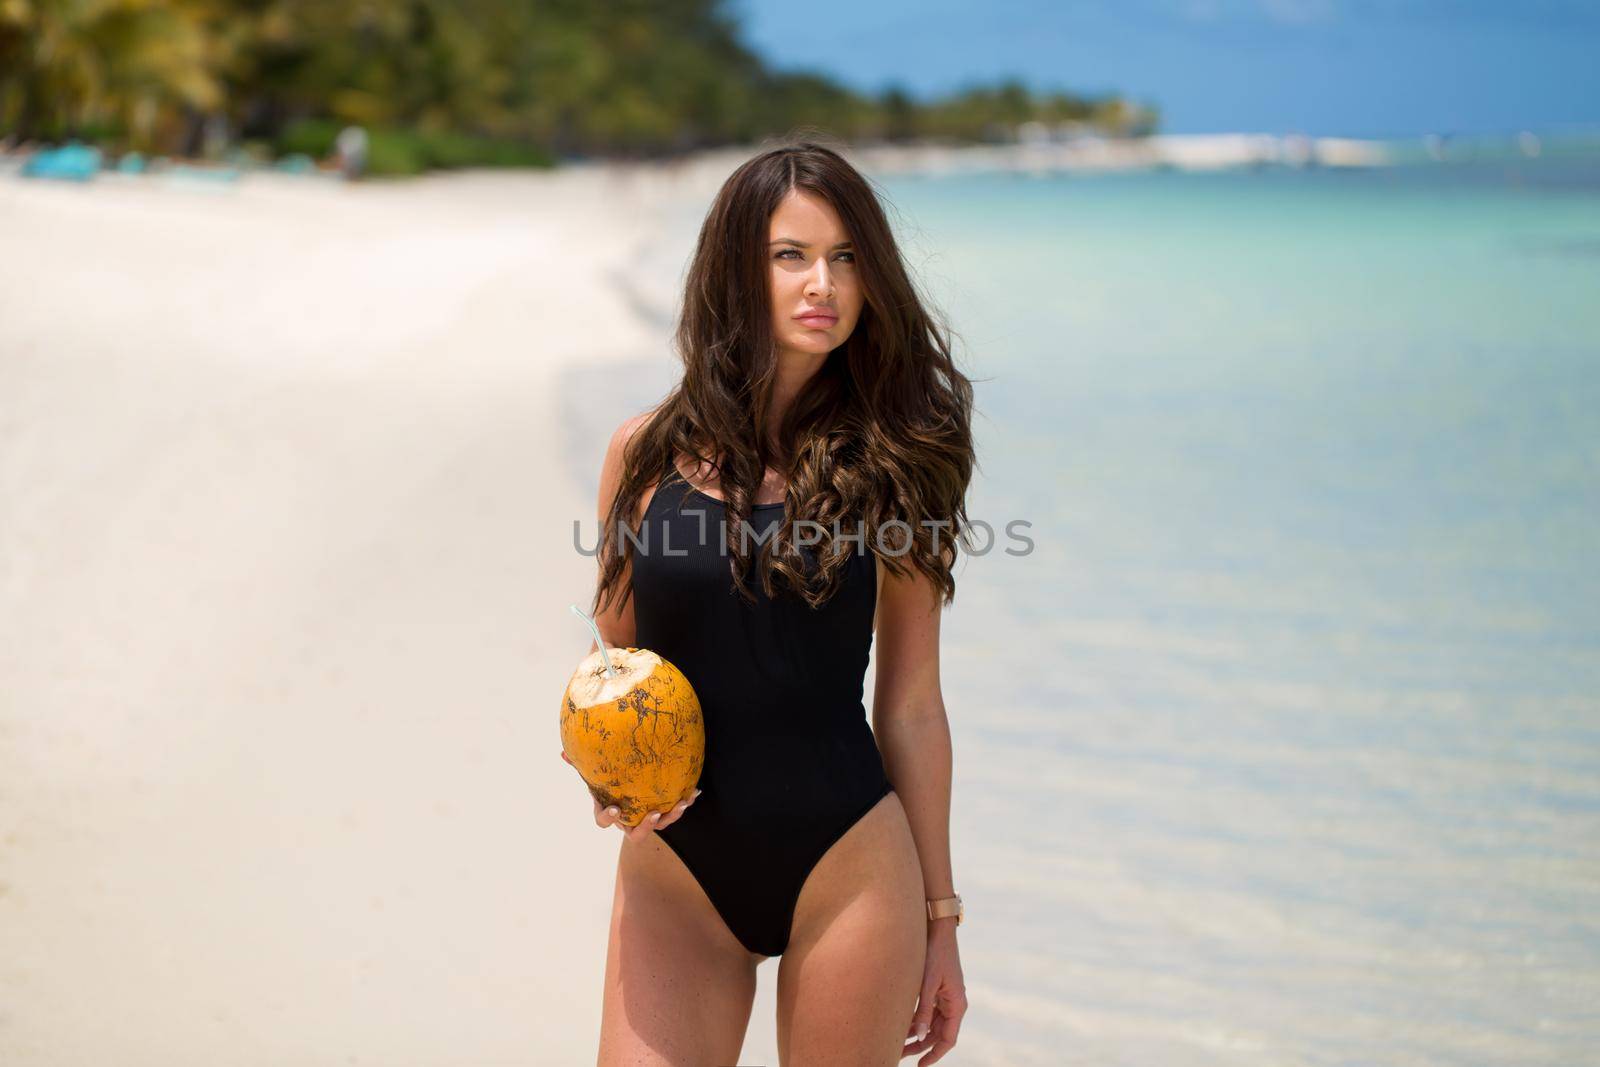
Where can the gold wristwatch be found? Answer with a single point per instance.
(944, 908)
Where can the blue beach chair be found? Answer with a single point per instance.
(70, 162)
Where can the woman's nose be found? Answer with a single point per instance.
(819, 281)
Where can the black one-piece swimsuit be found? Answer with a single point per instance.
(791, 763)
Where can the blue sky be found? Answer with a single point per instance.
(1361, 68)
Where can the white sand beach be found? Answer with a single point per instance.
(285, 559)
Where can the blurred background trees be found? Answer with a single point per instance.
(449, 82)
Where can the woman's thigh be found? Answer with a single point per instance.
(848, 981)
(679, 986)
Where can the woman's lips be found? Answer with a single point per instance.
(818, 322)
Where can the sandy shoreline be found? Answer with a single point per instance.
(1036, 152)
(285, 554)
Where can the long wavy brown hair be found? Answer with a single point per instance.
(882, 432)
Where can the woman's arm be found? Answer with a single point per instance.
(615, 622)
(908, 720)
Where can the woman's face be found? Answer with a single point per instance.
(813, 270)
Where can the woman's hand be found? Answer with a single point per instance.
(648, 825)
(943, 1000)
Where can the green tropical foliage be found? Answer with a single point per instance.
(448, 82)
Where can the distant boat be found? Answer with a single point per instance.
(1297, 150)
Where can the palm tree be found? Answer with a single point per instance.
(127, 64)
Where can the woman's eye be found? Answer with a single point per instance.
(848, 256)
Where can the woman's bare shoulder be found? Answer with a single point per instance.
(623, 434)
(633, 424)
(611, 468)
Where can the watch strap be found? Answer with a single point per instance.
(944, 908)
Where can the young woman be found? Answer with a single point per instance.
(796, 497)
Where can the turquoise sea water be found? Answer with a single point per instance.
(1283, 744)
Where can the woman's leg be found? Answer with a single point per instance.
(848, 981)
(678, 984)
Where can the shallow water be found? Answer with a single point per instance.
(1283, 745)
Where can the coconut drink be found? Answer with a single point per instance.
(631, 725)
